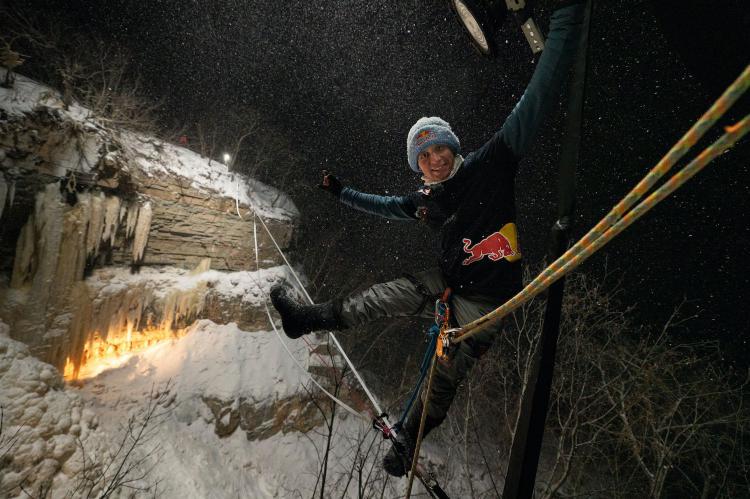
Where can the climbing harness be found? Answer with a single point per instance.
(435, 339)
(442, 325)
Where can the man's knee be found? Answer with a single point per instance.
(398, 298)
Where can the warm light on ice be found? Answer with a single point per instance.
(100, 355)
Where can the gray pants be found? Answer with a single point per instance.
(415, 296)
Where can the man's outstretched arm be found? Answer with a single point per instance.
(537, 101)
(391, 207)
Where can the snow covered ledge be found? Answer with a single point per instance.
(76, 195)
(189, 208)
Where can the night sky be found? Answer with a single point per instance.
(344, 80)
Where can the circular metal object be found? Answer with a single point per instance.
(478, 21)
(472, 26)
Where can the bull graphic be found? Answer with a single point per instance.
(500, 244)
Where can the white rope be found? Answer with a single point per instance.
(273, 239)
(283, 343)
(379, 414)
(369, 394)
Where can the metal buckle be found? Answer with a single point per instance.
(378, 423)
(445, 342)
(439, 314)
(533, 36)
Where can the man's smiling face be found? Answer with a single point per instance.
(436, 162)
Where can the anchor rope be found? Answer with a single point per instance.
(335, 399)
(335, 340)
(381, 421)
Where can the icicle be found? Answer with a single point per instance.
(203, 266)
(11, 194)
(24, 257)
(111, 215)
(84, 199)
(38, 247)
(72, 253)
(3, 193)
(123, 212)
(39, 208)
(132, 218)
(142, 228)
(46, 205)
(96, 225)
(181, 307)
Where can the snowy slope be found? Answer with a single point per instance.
(44, 426)
(185, 379)
(221, 361)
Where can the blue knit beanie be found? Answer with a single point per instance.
(426, 132)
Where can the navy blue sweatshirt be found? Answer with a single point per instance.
(475, 209)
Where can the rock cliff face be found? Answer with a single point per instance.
(77, 196)
(132, 298)
(112, 243)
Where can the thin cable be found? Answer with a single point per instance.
(283, 343)
(329, 394)
(361, 381)
(331, 366)
(283, 256)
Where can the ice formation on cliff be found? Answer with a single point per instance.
(140, 231)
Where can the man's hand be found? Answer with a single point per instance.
(331, 184)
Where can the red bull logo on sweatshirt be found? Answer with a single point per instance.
(500, 244)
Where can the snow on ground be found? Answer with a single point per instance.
(225, 362)
(44, 426)
(27, 94)
(156, 157)
(211, 360)
(252, 286)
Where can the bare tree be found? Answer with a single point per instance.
(135, 456)
(96, 74)
(633, 413)
(7, 445)
(10, 59)
(334, 378)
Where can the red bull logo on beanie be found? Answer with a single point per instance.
(498, 245)
(424, 136)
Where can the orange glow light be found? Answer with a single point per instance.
(102, 354)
